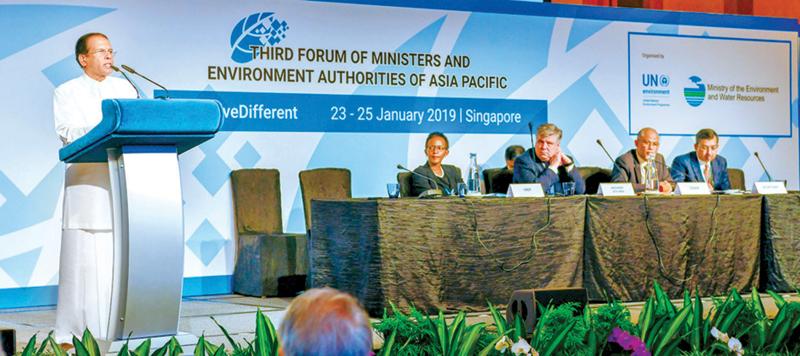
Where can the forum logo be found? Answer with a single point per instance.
(259, 29)
(695, 95)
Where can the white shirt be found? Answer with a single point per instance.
(702, 169)
(76, 109)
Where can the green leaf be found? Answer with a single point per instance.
(388, 345)
(80, 349)
(519, 328)
(220, 351)
(673, 328)
(697, 322)
(236, 347)
(490, 347)
(211, 349)
(473, 334)
(779, 301)
(456, 332)
(499, 321)
(161, 351)
(175, 348)
(90, 343)
(40, 351)
(57, 351)
(646, 318)
(755, 298)
(441, 332)
(30, 347)
(143, 349)
(200, 348)
(123, 351)
(556, 343)
(726, 323)
(265, 336)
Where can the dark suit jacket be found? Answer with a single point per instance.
(530, 169)
(627, 168)
(686, 168)
(448, 183)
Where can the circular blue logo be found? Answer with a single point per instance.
(695, 95)
(259, 29)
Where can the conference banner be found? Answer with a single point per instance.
(360, 84)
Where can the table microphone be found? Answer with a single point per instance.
(762, 166)
(430, 193)
(533, 143)
(132, 71)
(606, 151)
(116, 69)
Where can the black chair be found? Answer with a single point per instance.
(404, 179)
(497, 180)
(593, 176)
(736, 176)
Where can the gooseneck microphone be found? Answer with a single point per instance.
(116, 69)
(132, 71)
(762, 166)
(606, 151)
(430, 193)
(533, 142)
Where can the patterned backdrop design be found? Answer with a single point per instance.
(574, 58)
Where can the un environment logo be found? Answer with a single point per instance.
(695, 95)
(259, 29)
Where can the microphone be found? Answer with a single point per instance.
(533, 142)
(606, 151)
(762, 166)
(430, 193)
(132, 71)
(116, 69)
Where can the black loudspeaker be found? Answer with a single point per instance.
(525, 302)
(8, 342)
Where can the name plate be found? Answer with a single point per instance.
(525, 190)
(692, 188)
(616, 190)
(769, 188)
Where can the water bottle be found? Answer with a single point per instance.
(474, 177)
(651, 174)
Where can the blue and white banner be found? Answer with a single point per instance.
(309, 84)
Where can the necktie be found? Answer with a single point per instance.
(707, 175)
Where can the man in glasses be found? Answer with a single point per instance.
(703, 165)
(84, 291)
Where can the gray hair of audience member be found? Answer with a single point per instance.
(513, 151)
(325, 321)
(706, 134)
(545, 130)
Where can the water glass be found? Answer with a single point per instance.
(461, 188)
(393, 189)
(568, 188)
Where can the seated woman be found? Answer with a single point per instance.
(439, 176)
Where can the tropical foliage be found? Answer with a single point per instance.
(733, 325)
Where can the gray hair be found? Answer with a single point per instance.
(325, 321)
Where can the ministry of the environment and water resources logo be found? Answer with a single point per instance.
(259, 29)
(696, 94)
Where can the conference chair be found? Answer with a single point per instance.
(268, 262)
(404, 179)
(323, 183)
(497, 180)
(593, 176)
(736, 176)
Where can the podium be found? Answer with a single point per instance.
(141, 140)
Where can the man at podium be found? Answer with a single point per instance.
(85, 267)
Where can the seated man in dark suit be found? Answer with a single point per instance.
(703, 165)
(502, 179)
(632, 165)
(440, 176)
(549, 165)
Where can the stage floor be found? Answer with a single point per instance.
(235, 312)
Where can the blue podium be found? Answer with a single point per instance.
(141, 140)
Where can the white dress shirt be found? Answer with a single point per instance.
(76, 109)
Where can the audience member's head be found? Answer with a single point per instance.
(436, 148)
(706, 144)
(646, 143)
(548, 142)
(325, 321)
(511, 154)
